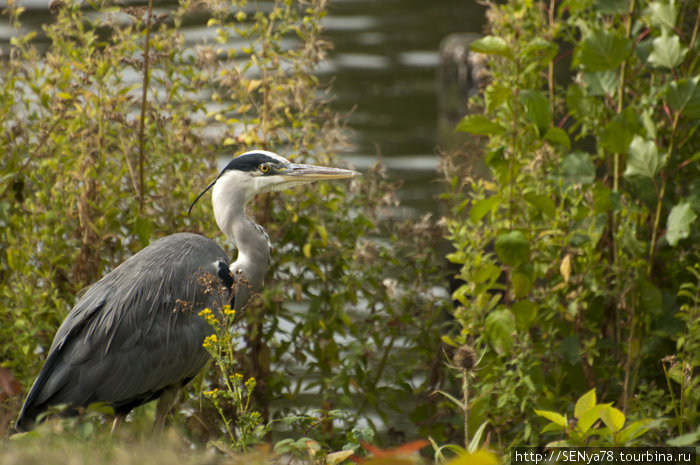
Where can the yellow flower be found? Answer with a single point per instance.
(210, 341)
(250, 384)
(228, 311)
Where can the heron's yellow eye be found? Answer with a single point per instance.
(264, 168)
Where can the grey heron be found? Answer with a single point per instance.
(126, 342)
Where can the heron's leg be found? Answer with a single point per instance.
(167, 401)
(117, 424)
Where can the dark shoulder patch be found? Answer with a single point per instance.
(249, 162)
(224, 274)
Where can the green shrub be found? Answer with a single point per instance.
(573, 251)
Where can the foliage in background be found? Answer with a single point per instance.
(572, 253)
(351, 313)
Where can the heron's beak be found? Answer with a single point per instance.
(295, 172)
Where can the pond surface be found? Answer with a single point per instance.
(384, 64)
(383, 67)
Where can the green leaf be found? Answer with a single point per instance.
(525, 313)
(633, 431)
(602, 50)
(476, 438)
(522, 281)
(543, 48)
(537, 110)
(686, 440)
(480, 125)
(543, 203)
(558, 136)
(611, 7)
(577, 169)
(495, 95)
(643, 159)
(678, 224)
(554, 417)
(585, 403)
(513, 248)
(602, 82)
(500, 326)
(613, 418)
(589, 417)
(684, 96)
(663, 15)
(617, 135)
(667, 51)
(492, 45)
(482, 207)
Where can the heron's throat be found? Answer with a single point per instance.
(249, 239)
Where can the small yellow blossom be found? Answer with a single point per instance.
(250, 384)
(210, 341)
(228, 311)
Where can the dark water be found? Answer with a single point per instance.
(384, 65)
(383, 68)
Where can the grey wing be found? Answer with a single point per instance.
(134, 333)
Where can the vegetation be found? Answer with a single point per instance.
(577, 321)
(579, 253)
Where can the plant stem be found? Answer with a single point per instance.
(144, 95)
(660, 199)
(465, 393)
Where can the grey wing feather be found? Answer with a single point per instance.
(127, 338)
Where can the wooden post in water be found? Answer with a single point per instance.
(461, 75)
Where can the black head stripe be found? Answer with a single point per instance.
(248, 162)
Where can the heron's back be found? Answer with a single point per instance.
(134, 333)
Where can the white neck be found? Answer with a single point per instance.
(251, 241)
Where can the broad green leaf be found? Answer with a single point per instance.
(611, 7)
(633, 431)
(663, 14)
(686, 440)
(684, 96)
(602, 50)
(678, 224)
(525, 313)
(600, 83)
(492, 45)
(495, 95)
(558, 136)
(480, 125)
(643, 159)
(483, 207)
(585, 403)
(613, 418)
(667, 51)
(500, 326)
(589, 417)
(577, 168)
(537, 110)
(542, 48)
(554, 417)
(650, 298)
(543, 203)
(513, 248)
(522, 280)
(619, 132)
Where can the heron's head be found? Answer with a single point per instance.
(260, 171)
